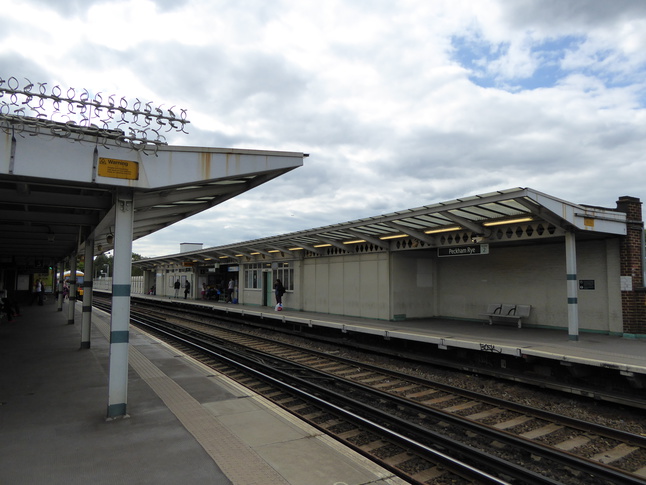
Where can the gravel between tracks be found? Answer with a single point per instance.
(602, 413)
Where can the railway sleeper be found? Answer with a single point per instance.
(398, 459)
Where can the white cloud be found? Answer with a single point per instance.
(399, 104)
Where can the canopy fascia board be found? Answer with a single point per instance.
(171, 166)
(583, 218)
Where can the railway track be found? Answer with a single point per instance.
(510, 443)
(600, 386)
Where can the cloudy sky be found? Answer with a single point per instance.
(400, 103)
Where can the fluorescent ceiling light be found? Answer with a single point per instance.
(508, 221)
(443, 229)
(228, 182)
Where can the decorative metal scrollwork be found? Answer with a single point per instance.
(86, 117)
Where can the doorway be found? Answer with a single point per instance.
(267, 286)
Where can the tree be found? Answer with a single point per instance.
(137, 270)
(103, 265)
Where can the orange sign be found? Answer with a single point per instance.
(118, 169)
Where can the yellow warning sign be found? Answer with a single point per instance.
(118, 169)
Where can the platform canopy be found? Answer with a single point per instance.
(55, 191)
(508, 216)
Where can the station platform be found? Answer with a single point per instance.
(185, 424)
(625, 355)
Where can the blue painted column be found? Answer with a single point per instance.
(572, 286)
(72, 298)
(86, 323)
(120, 320)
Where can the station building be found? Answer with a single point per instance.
(577, 267)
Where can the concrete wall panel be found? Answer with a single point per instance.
(354, 285)
(374, 297)
(413, 284)
(533, 275)
(308, 290)
(322, 288)
(350, 275)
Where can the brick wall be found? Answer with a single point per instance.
(634, 300)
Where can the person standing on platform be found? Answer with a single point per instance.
(187, 289)
(230, 289)
(40, 291)
(177, 285)
(279, 289)
(37, 293)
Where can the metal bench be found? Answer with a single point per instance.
(502, 312)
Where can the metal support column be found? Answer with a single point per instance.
(119, 323)
(572, 286)
(72, 296)
(86, 323)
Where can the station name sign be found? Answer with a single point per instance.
(118, 169)
(471, 250)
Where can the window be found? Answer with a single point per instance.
(252, 275)
(285, 273)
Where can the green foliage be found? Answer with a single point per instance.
(103, 265)
(137, 270)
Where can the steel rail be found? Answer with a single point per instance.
(341, 403)
(562, 457)
(542, 383)
(422, 434)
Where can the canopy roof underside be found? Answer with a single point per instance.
(52, 197)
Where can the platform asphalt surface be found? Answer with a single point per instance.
(186, 424)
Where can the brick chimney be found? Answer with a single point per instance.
(633, 294)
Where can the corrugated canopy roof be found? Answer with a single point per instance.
(476, 214)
